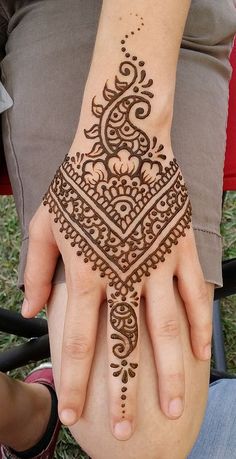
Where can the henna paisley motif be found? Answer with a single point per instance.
(122, 205)
(123, 320)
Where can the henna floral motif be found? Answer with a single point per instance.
(121, 205)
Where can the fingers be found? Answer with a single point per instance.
(123, 358)
(193, 290)
(163, 324)
(40, 265)
(78, 346)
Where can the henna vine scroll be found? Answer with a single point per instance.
(122, 205)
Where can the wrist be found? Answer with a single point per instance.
(157, 123)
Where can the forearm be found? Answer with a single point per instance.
(157, 28)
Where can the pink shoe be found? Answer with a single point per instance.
(44, 449)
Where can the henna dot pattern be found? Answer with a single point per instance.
(122, 206)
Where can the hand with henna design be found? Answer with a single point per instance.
(120, 216)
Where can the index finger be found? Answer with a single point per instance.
(78, 346)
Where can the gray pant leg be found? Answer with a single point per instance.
(48, 53)
(200, 120)
(217, 437)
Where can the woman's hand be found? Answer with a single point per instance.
(120, 216)
(87, 289)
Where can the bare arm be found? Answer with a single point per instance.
(122, 146)
(152, 32)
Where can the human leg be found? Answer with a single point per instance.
(20, 401)
(217, 437)
(29, 423)
(155, 435)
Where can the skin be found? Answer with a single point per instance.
(83, 311)
(86, 289)
(176, 319)
(155, 436)
(123, 209)
(22, 401)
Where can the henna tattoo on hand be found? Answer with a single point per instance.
(121, 205)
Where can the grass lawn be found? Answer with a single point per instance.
(11, 298)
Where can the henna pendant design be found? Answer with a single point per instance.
(121, 205)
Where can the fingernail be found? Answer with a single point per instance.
(68, 417)
(123, 430)
(176, 407)
(25, 307)
(207, 351)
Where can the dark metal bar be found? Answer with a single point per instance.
(13, 323)
(218, 339)
(34, 350)
(215, 375)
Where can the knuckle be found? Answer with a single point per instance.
(78, 282)
(169, 329)
(76, 287)
(175, 379)
(77, 347)
(85, 290)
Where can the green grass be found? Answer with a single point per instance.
(11, 297)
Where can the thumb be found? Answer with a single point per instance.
(40, 264)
